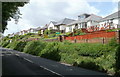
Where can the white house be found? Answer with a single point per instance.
(62, 24)
(32, 30)
(84, 21)
(110, 21)
(52, 26)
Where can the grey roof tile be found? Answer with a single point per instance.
(91, 17)
(112, 16)
(64, 21)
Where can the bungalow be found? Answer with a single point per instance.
(51, 25)
(62, 24)
(33, 30)
(110, 21)
(84, 21)
(25, 32)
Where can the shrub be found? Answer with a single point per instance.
(51, 51)
(117, 65)
(92, 50)
(12, 45)
(5, 43)
(34, 47)
(16, 45)
(20, 46)
(113, 42)
(47, 32)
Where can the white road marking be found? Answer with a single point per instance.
(28, 60)
(17, 54)
(51, 71)
(45, 68)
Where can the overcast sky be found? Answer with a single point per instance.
(37, 13)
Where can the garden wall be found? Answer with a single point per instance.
(96, 37)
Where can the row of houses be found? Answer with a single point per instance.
(23, 32)
(90, 22)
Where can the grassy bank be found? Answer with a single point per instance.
(99, 57)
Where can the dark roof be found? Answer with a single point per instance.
(84, 14)
(112, 16)
(64, 21)
(91, 17)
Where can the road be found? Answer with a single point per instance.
(15, 64)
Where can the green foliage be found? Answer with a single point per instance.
(16, 45)
(29, 34)
(10, 10)
(113, 42)
(92, 50)
(39, 32)
(5, 43)
(117, 60)
(89, 63)
(111, 30)
(51, 51)
(100, 57)
(16, 38)
(20, 46)
(79, 32)
(52, 35)
(34, 47)
(68, 33)
(12, 45)
(46, 32)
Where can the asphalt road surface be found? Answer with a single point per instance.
(17, 64)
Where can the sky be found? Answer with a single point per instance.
(38, 13)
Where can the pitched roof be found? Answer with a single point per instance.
(38, 28)
(44, 27)
(54, 22)
(91, 17)
(64, 21)
(112, 16)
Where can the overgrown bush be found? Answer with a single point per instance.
(117, 65)
(92, 50)
(17, 45)
(5, 43)
(34, 47)
(20, 46)
(51, 51)
(113, 42)
(12, 45)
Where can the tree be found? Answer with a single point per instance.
(10, 10)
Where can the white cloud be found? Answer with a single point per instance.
(40, 12)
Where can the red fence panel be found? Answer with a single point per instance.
(93, 35)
